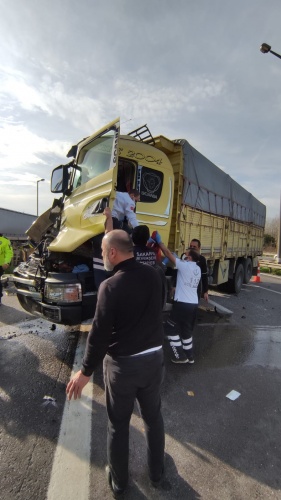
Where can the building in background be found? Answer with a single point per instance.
(13, 225)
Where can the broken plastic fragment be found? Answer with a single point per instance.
(233, 395)
(190, 393)
(49, 401)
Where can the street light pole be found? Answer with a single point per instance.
(265, 48)
(37, 194)
(279, 237)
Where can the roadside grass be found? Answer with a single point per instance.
(269, 252)
(271, 270)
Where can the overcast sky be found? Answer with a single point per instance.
(189, 69)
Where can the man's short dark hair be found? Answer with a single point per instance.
(197, 241)
(193, 254)
(135, 192)
(140, 235)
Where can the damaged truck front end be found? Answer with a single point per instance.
(58, 287)
(64, 298)
(59, 281)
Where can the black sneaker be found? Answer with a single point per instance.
(157, 484)
(190, 360)
(178, 355)
(117, 492)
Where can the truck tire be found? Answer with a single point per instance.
(248, 270)
(236, 283)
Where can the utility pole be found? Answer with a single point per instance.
(265, 48)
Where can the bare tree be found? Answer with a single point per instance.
(272, 227)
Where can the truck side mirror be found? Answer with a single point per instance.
(60, 178)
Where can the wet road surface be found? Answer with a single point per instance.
(216, 448)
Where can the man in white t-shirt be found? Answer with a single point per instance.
(181, 323)
(124, 209)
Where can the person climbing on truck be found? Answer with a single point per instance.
(123, 210)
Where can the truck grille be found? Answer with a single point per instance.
(51, 313)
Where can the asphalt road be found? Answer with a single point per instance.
(216, 448)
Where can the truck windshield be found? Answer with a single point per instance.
(94, 159)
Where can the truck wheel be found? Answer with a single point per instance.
(238, 278)
(248, 270)
(234, 285)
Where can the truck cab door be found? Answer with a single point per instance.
(92, 185)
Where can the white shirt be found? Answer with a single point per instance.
(124, 206)
(188, 277)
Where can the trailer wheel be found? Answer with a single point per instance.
(238, 278)
(248, 270)
(236, 283)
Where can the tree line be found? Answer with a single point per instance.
(271, 232)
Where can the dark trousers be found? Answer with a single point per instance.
(181, 327)
(118, 224)
(128, 379)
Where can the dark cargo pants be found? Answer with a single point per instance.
(128, 379)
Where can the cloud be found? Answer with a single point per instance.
(20, 179)
(189, 70)
(28, 97)
(157, 101)
(86, 109)
(19, 147)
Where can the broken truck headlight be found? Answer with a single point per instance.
(63, 293)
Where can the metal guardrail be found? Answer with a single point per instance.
(270, 265)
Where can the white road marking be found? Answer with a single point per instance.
(264, 288)
(70, 476)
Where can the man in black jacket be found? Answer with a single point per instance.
(142, 252)
(202, 263)
(127, 334)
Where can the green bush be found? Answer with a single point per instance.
(265, 270)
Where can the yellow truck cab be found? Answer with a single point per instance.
(60, 279)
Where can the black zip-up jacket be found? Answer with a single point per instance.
(202, 263)
(128, 317)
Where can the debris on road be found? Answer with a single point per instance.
(233, 395)
(49, 401)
